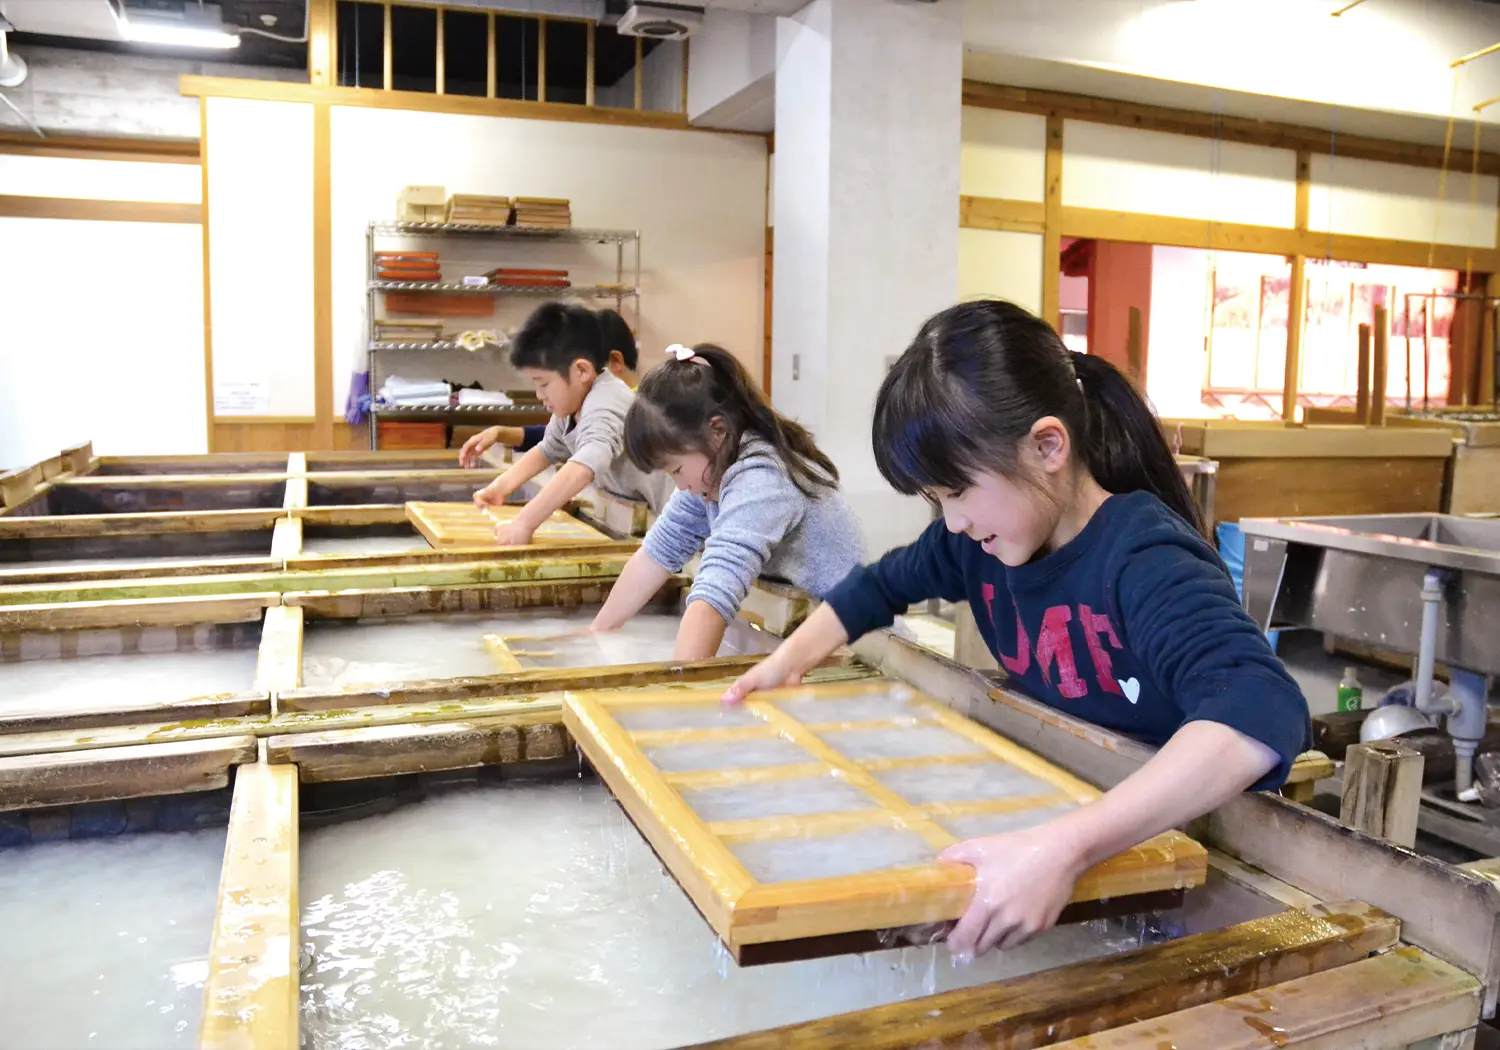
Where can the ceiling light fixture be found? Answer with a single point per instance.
(200, 26)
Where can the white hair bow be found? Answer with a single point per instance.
(682, 353)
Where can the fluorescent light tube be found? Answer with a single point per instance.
(147, 28)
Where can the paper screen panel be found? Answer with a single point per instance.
(821, 810)
(465, 525)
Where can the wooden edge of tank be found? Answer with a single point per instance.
(136, 771)
(137, 612)
(1399, 998)
(139, 523)
(106, 569)
(381, 751)
(445, 555)
(214, 706)
(252, 993)
(1080, 998)
(358, 603)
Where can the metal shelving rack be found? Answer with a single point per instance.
(619, 292)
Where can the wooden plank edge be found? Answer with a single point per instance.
(252, 994)
(1074, 999)
(105, 774)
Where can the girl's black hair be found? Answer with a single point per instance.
(556, 335)
(975, 380)
(677, 402)
(618, 336)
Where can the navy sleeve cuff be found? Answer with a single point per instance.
(860, 604)
(1263, 707)
(532, 437)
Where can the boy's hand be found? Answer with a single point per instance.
(513, 534)
(489, 496)
(477, 446)
(1022, 882)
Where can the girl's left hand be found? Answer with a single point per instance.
(1022, 882)
(513, 534)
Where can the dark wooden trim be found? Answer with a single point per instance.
(16, 207)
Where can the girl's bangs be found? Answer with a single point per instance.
(924, 439)
(650, 437)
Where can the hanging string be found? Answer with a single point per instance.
(1473, 204)
(1443, 171)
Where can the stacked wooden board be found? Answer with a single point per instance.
(407, 266)
(546, 212)
(465, 525)
(514, 276)
(477, 210)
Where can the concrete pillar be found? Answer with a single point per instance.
(868, 107)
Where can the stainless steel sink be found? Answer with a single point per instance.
(1361, 577)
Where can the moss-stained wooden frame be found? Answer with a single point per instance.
(752, 916)
(465, 525)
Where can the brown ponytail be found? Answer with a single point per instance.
(677, 402)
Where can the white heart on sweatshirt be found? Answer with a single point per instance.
(1131, 689)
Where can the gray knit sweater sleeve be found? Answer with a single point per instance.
(758, 506)
(678, 533)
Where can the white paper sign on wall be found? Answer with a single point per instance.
(251, 398)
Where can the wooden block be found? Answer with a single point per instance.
(102, 774)
(1382, 791)
(465, 525)
(286, 540)
(1393, 1000)
(1073, 1000)
(20, 485)
(745, 911)
(296, 494)
(252, 994)
(80, 458)
(279, 665)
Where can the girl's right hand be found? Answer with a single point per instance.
(477, 446)
(770, 673)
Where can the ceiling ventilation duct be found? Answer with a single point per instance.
(660, 21)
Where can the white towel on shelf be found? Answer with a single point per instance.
(437, 401)
(401, 387)
(495, 398)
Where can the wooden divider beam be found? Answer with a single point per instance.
(279, 665)
(286, 540)
(1072, 1000)
(104, 774)
(252, 995)
(1393, 1000)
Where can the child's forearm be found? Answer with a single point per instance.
(641, 579)
(808, 646)
(701, 633)
(520, 472)
(1200, 768)
(571, 479)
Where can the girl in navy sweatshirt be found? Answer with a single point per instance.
(1069, 530)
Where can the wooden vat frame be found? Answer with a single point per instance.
(1302, 855)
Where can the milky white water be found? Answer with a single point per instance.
(450, 646)
(528, 916)
(156, 672)
(106, 941)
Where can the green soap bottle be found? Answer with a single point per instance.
(1351, 693)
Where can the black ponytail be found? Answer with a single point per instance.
(677, 402)
(975, 380)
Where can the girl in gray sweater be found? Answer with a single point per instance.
(754, 494)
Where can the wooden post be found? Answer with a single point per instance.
(489, 60)
(1487, 347)
(541, 60)
(588, 82)
(1362, 400)
(1052, 224)
(322, 35)
(1382, 790)
(1296, 306)
(1379, 365)
(442, 72)
(1133, 348)
(386, 76)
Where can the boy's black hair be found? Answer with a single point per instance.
(556, 335)
(618, 336)
(976, 378)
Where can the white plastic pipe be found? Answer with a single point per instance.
(1432, 604)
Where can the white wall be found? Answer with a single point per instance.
(1383, 55)
(1126, 169)
(1002, 264)
(1373, 199)
(1002, 154)
(102, 338)
(118, 180)
(697, 198)
(260, 218)
(1177, 328)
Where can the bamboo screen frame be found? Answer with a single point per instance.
(447, 525)
(744, 911)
